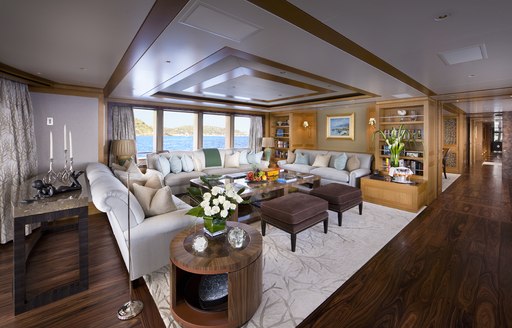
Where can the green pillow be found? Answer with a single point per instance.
(340, 162)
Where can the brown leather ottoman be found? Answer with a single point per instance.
(294, 213)
(340, 197)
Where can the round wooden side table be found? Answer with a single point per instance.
(243, 267)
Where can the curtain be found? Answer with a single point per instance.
(18, 153)
(255, 133)
(122, 126)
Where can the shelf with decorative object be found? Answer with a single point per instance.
(417, 117)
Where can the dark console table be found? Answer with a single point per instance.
(71, 206)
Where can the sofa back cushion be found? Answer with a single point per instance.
(187, 163)
(163, 165)
(301, 158)
(243, 157)
(322, 160)
(340, 161)
(175, 163)
(232, 160)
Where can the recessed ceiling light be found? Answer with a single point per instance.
(83, 68)
(402, 95)
(441, 17)
(168, 61)
(471, 75)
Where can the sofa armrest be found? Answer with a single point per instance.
(356, 174)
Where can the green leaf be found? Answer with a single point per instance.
(197, 211)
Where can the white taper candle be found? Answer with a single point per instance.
(51, 145)
(65, 138)
(70, 146)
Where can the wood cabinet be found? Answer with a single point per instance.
(407, 197)
(290, 132)
(417, 116)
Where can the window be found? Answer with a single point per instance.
(145, 122)
(215, 131)
(242, 127)
(180, 130)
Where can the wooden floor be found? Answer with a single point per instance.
(55, 261)
(450, 267)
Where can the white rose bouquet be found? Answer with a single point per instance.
(215, 205)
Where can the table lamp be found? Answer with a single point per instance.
(268, 143)
(124, 149)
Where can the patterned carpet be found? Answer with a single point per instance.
(294, 284)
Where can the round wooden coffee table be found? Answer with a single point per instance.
(243, 267)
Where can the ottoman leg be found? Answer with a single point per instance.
(294, 241)
(326, 224)
(340, 218)
(360, 208)
(263, 227)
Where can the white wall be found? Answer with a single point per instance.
(80, 115)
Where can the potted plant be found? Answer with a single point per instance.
(216, 205)
(396, 140)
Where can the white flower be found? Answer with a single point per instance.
(228, 186)
(224, 213)
(216, 190)
(215, 201)
(238, 199)
(215, 209)
(226, 205)
(208, 211)
(205, 203)
(230, 193)
(233, 206)
(207, 196)
(221, 199)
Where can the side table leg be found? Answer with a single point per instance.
(19, 266)
(83, 245)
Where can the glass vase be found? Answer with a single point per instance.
(394, 159)
(214, 226)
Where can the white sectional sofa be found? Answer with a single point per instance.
(150, 236)
(180, 181)
(329, 173)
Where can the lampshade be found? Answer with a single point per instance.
(123, 148)
(267, 142)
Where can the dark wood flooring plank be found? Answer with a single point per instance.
(450, 267)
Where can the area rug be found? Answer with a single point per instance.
(294, 284)
(450, 178)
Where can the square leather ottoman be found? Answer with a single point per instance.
(294, 213)
(340, 197)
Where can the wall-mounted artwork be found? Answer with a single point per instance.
(340, 126)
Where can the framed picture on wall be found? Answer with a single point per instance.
(340, 126)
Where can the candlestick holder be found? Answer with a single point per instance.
(50, 176)
(64, 174)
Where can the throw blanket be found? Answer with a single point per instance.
(212, 157)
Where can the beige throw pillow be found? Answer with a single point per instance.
(154, 201)
(154, 182)
(232, 160)
(290, 159)
(353, 163)
(322, 160)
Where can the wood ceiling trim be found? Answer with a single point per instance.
(308, 23)
(227, 51)
(17, 75)
(160, 16)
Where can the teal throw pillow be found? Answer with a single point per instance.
(301, 158)
(176, 165)
(340, 162)
(254, 158)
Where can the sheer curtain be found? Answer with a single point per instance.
(17, 148)
(122, 126)
(255, 133)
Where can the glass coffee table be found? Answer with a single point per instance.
(263, 190)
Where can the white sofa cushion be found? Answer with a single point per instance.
(331, 174)
(243, 157)
(254, 158)
(163, 165)
(187, 163)
(340, 162)
(232, 160)
(154, 201)
(322, 160)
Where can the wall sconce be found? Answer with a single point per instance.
(305, 124)
(372, 121)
